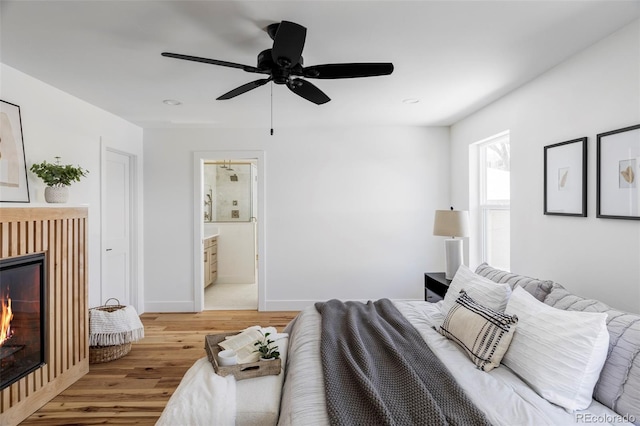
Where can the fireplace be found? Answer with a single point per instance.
(61, 327)
(22, 316)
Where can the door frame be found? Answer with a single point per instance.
(136, 290)
(199, 157)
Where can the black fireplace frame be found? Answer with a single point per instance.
(25, 260)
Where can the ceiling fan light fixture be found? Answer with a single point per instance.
(283, 61)
(171, 102)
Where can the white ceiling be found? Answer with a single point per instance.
(454, 56)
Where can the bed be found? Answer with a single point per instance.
(567, 360)
(501, 394)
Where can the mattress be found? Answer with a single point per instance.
(500, 394)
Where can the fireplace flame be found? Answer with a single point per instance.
(5, 319)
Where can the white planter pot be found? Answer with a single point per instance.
(56, 194)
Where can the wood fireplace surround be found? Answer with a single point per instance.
(61, 234)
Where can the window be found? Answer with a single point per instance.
(494, 157)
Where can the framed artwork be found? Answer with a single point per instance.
(618, 190)
(565, 178)
(14, 186)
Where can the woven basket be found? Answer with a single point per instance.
(99, 354)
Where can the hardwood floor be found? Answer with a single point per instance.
(133, 390)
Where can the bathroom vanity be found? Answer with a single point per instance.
(210, 260)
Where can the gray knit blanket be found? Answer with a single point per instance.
(379, 371)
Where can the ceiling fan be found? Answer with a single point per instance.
(283, 64)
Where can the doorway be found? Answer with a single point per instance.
(228, 205)
(230, 218)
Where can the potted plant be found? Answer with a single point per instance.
(57, 177)
(265, 346)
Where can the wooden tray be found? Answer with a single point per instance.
(239, 371)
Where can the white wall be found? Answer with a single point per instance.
(349, 211)
(55, 123)
(595, 91)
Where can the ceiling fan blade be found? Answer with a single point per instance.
(244, 88)
(288, 44)
(308, 91)
(247, 68)
(354, 70)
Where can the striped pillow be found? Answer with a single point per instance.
(539, 288)
(483, 333)
(558, 353)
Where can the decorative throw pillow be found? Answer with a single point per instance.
(483, 333)
(482, 290)
(558, 353)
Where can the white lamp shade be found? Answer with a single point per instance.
(451, 223)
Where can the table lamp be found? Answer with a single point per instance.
(452, 223)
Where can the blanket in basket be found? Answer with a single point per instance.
(114, 328)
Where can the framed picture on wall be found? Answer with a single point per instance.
(618, 190)
(565, 178)
(14, 186)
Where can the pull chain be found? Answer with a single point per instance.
(272, 108)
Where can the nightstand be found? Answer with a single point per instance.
(435, 286)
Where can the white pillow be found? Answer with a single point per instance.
(558, 353)
(484, 291)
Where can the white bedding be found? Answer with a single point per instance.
(199, 388)
(203, 398)
(503, 397)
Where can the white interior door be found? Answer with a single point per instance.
(117, 272)
(254, 214)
